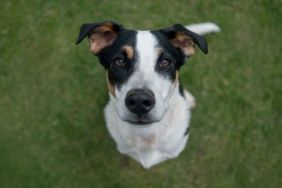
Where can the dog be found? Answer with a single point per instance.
(149, 111)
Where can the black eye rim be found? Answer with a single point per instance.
(165, 62)
(118, 62)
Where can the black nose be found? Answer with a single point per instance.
(140, 101)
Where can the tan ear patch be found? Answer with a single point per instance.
(184, 42)
(111, 87)
(129, 51)
(102, 37)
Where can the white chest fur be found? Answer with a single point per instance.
(154, 143)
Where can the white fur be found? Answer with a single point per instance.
(204, 28)
(164, 139)
(152, 144)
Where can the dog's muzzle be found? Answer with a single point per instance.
(140, 101)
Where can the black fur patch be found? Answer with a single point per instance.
(118, 75)
(186, 132)
(168, 52)
(181, 90)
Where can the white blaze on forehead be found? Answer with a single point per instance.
(147, 54)
(148, 51)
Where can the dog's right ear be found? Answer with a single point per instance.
(101, 34)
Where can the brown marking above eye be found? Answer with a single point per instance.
(159, 51)
(129, 51)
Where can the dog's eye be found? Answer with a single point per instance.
(119, 62)
(164, 63)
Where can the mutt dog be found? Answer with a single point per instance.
(149, 111)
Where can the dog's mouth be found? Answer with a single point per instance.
(141, 121)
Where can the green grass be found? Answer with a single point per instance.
(52, 94)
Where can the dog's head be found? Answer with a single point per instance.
(142, 66)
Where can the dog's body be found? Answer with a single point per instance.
(148, 112)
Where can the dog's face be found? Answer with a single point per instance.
(142, 66)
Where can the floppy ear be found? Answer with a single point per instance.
(101, 34)
(185, 40)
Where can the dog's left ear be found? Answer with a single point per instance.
(185, 40)
(101, 34)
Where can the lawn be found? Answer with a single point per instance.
(52, 94)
